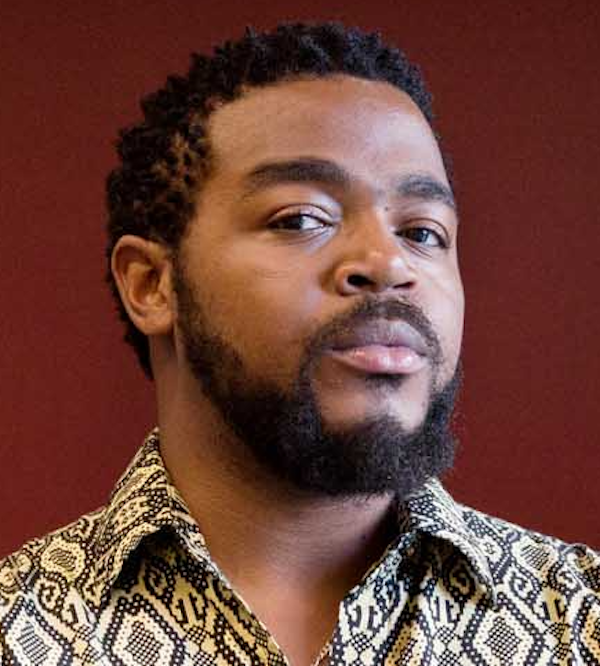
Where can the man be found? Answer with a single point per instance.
(283, 249)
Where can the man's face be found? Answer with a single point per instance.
(320, 302)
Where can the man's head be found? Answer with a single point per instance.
(166, 158)
(295, 188)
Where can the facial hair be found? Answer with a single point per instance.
(285, 431)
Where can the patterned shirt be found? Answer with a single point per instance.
(134, 584)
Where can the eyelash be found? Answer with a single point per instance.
(441, 241)
(279, 224)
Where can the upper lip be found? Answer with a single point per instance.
(381, 332)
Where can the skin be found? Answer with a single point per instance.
(268, 285)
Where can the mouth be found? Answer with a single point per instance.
(381, 360)
(382, 347)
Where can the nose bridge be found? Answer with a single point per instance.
(375, 237)
(374, 257)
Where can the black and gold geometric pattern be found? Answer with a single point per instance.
(133, 584)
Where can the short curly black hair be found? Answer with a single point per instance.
(164, 158)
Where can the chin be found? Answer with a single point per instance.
(355, 413)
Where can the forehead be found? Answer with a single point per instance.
(371, 128)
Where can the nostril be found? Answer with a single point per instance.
(358, 280)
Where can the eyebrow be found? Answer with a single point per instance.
(427, 188)
(316, 170)
(302, 170)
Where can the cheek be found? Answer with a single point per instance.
(447, 317)
(265, 314)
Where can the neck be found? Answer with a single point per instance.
(259, 529)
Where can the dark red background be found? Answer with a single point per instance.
(518, 96)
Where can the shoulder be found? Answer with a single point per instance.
(49, 566)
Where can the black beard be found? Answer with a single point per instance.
(285, 431)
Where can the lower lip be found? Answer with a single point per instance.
(379, 359)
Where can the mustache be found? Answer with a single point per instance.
(370, 309)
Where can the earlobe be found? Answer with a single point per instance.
(142, 270)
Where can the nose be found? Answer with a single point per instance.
(375, 262)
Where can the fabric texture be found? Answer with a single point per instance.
(134, 584)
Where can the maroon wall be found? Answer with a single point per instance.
(518, 97)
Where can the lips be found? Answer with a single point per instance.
(381, 347)
(381, 333)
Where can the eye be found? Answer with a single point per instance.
(298, 221)
(425, 236)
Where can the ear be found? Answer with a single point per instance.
(142, 270)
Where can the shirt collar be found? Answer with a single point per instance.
(432, 511)
(145, 501)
